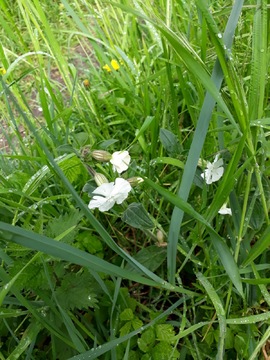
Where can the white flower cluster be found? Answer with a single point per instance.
(109, 193)
(213, 173)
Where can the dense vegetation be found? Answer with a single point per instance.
(134, 179)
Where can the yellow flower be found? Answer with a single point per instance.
(2, 71)
(114, 65)
(86, 83)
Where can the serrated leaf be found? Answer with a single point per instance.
(65, 162)
(164, 351)
(147, 340)
(136, 323)
(137, 217)
(165, 332)
(64, 228)
(125, 329)
(126, 315)
(91, 243)
(32, 277)
(72, 168)
(77, 291)
(170, 142)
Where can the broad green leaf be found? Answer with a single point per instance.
(151, 257)
(136, 216)
(170, 142)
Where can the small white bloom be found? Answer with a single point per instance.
(224, 210)
(107, 194)
(120, 161)
(213, 171)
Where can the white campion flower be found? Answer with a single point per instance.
(224, 210)
(107, 194)
(120, 161)
(213, 171)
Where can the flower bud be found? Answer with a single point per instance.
(134, 181)
(160, 236)
(100, 179)
(86, 153)
(202, 163)
(160, 239)
(101, 155)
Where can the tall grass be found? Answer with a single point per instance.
(163, 275)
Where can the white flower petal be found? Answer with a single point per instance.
(120, 161)
(107, 205)
(104, 189)
(218, 163)
(224, 210)
(217, 174)
(213, 171)
(102, 203)
(121, 190)
(106, 195)
(96, 202)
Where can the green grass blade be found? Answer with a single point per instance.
(187, 55)
(193, 157)
(256, 100)
(261, 284)
(220, 313)
(252, 319)
(28, 337)
(220, 246)
(66, 252)
(260, 345)
(260, 246)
